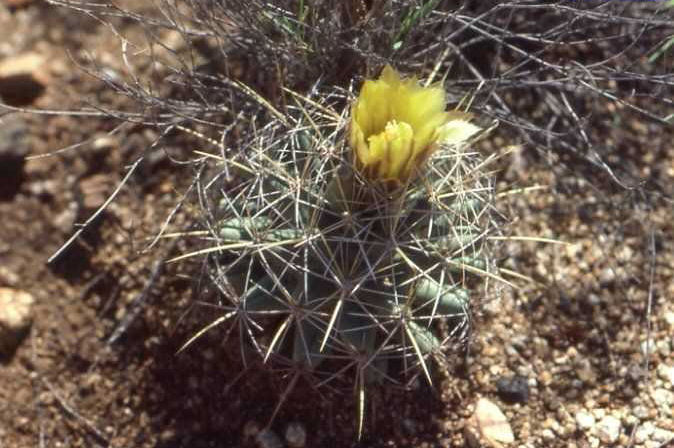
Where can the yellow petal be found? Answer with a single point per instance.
(373, 107)
(377, 149)
(390, 76)
(357, 142)
(457, 131)
(400, 141)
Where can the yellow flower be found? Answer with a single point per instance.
(396, 124)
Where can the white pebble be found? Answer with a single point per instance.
(666, 373)
(669, 318)
(609, 429)
(489, 423)
(644, 432)
(16, 315)
(662, 435)
(640, 412)
(594, 442)
(268, 439)
(648, 347)
(599, 413)
(584, 420)
(664, 347)
(664, 399)
(296, 435)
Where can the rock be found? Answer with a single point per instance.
(16, 315)
(14, 146)
(263, 437)
(666, 373)
(662, 435)
(594, 442)
(669, 319)
(296, 435)
(635, 372)
(22, 78)
(644, 432)
(648, 347)
(22, 63)
(268, 439)
(8, 277)
(640, 412)
(608, 429)
(44, 189)
(251, 429)
(664, 347)
(584, 420)
(598, 413)
(594, 299)
(513, 389)
(488, 426)
(664, 400)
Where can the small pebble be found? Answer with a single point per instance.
(488, 423)
(666, 373)
(23, 78)
(584, 420)
(599, 413)
(607, 275)
(594, 300)
(664, 347)
(644, 432)
(268, 439)
(513, 389)
(635, 372)
(664, 400)
(14, 146)
(648, 347)
(8, 277)
(640, 412)
(669, 319)
(608, 429)
(594, 442)
(569, 428)
(662, 435)
(16, 316)
(251, 429)
(296, 435)
(630, 421)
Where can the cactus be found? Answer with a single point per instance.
(343, 263)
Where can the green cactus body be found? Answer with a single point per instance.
(350, 266)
